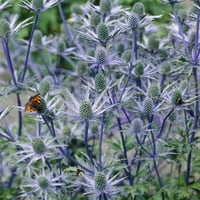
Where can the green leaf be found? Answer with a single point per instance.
(195, 186)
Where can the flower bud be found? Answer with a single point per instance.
(4, 28)
(37, 38)
(37, 4)
(100, 82)
(85, 110)
(120, 48)
(165, 69)
(139, 8)
(61, 46)
(38, 146)
(153, 43)
(43, 182)
(102, 32)
(95, 19)
(139, 70)
(105, 6)
(137, 126)
(176, 97)
(148, 106)
(101, 55)
(76, 9)
(100, 181)
(127, 55)
(133, 21)
(154, 91)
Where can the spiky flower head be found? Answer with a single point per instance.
(43, 182)
(85, 110)
(153, 42)
(95, 19)
(148, 106)
(38, 146)
(100, 82)
(176, 97)
(127, 55)
(100, 181)
(102, 32)
(137, 126)
(37, 38)
(101, 55)
(76, 9)
(4, 28)
(165, 68)
(105, 6)
(37, 4)
(154, 91)
(133, 21)
(120, 48)
(61, 46)
(139, 8)
(139, 70)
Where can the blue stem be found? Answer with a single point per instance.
(47, 66)
(66, 152)
(101, 140)
(196, 53)
(86, 142)
(154, 154)
(163, 123)
(195, 125)
(181, 32)
(29, 46)
(8, 59)
(66, 27)
(12, 74)
(128, 172)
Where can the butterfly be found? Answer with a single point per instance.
(34, 104)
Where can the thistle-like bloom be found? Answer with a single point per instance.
(38, 148)
(87, 108)
(99, 184)
(38, 5)
(8, 27)
(42, 184)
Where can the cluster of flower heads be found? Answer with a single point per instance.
(125, 78)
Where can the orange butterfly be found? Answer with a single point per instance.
(34, 104)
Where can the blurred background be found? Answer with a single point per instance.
(50, 22)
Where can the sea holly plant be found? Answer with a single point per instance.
(107, 107)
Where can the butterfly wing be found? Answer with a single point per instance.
(34, 104)
(29, 108)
